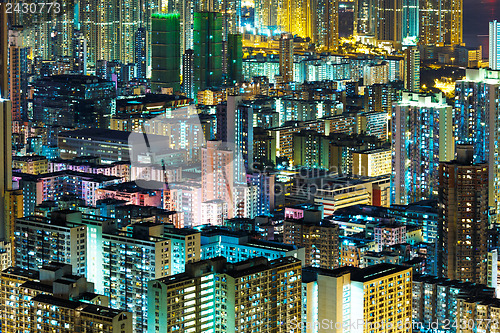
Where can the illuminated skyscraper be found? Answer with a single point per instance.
(463, 217)
(410, 23)
(422, 136)
(476, 108)
(495, 45)
(188, 73)
(208, 50)
(286, 58)
(234, 59)
(5, 168)
(216, 296)
(352, 297)
(324, 18)
(140, 52)
(389, 15)
(166, 52)
(235, 125)
(4, 78)
(266, 15)
(365, 18)
(79, 53)
(441, 22)
(412, 69)
(15, 46)
(110, 27)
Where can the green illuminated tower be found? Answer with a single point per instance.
(234, 59)
(208, 50)
(166, 52)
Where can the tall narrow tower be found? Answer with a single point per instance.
(5, 167)
(3, 51)
(412, 69)
(286, 57)
(494, 45)
(463, 217)
(166, 52)
(208, 49)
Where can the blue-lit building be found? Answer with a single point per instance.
(422, 136)
(140, 52)
(410, 24)
(74, 101)
(476, 111)
(238, 246)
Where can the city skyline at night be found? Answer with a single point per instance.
(237, 166)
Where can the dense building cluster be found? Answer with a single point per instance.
(248, 166)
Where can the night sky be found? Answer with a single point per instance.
(477, 15)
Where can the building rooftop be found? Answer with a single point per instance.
(97, 134)
(31, 158)
(101, 311)
(148, 99)
(64, 303)
(376, 272)
(97, 177)
(73, 79)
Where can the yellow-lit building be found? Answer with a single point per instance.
(372, 163)
(53, 299)
(441, 22)
(345, 192)
(211, 97)
(216, 296)
(478, 315)
(357, 300)
(33, 165)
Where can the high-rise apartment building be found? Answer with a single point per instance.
(79, 53)
(208, 50)
(96, 249)
(319, 237)
(235, 126)
(475, 111)
(188, 73)
(6, 232)
(4, 42)
(322, 22)
(410, 22)
(216, 296)
(463, 218)
(494, 45)
(74, 100)
(16, 93)
(110, 27)
(412, 69)
(441, 22)
(388, 20)
(422, 136)
(234, 59)
(166, 52)
(221, 178)
(436, 301)
(286, 58)
(372, 299)
(140, 52)
(55, 299)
